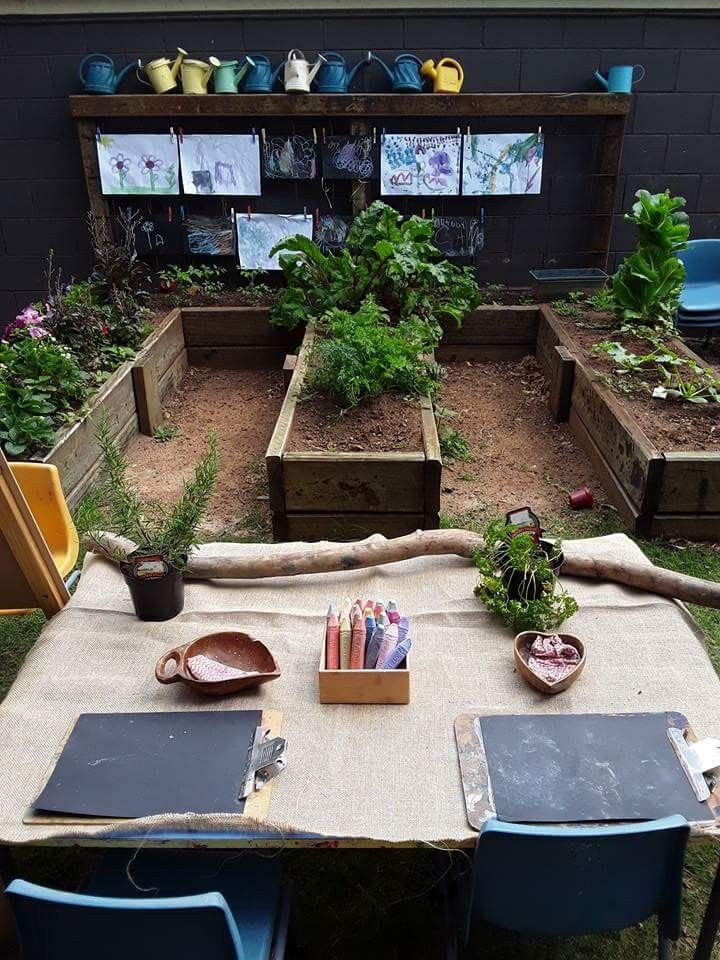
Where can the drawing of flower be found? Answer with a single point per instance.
(150, 167)
(121, 165)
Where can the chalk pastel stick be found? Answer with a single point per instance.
(398, 655)
(393, 612)
(379, 608)
(373, 647)
(357, 644)
(403, 627)
(369, 624)
(345, 636)
(388, 645)
(346, 606)
(383, 620)
(332, 640)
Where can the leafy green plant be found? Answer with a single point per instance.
(170, 531)
(526, 299)
(165, 432)
(453, 446)
(647, 285)
(566, 308)
(192, 281)
(576, 296)
(254, 287)
(117, 269)
(602, 300)
(517, 580)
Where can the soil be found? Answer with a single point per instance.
(507, 296)
(241, 406)
(387, 422)
(519, 455)
(668, 424)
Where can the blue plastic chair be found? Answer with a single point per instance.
(700, 298)
(239, 915)
(568, 881)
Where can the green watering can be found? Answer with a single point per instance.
(229, 74)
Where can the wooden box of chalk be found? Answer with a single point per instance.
(357, 680)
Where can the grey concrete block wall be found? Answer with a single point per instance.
(671, 133)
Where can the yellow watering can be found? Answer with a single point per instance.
(162, 73)
(195, 75)
(447, 76)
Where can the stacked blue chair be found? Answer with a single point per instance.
(699, 310)
(209, 906)
(568, 881)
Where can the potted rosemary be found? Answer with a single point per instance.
(518, 578)
(159, 538)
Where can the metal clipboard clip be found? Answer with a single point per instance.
(696, 759)
(265, 760)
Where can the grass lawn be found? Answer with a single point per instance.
(352, 904)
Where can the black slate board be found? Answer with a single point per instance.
(349, 158)
(156, 233)
(139, 764)
(577, 768)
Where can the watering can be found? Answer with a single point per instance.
(195, 75)
(97, 73)
(447, 76)
(333, 76)
(404, 74)
(229, 74)
(298, 74)
(162, 73)
(620, 79)
(261, 77)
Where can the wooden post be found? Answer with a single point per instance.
(609, 156)
(360, 188)
(87, 132)
(288, 369)
(561, 384)
(147, 398)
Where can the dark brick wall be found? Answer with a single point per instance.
(671, 136)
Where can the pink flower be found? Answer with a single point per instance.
(29, 317)
(37, 332)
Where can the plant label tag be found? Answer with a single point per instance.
(149, 567)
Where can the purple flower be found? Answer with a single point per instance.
(37, 332)
(440, 162)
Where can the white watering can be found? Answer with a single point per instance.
(298, 73)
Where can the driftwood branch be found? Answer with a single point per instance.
(425, 543)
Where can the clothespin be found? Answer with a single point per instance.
(323, 135)
(262, 134)
(317, 216)
(249, 212)
(253, 134)
(374, 134)
(482, 216)
(232, 214)
(540, 135)
(170, 213)
(98, 134)
(423, 213)
(315, 136)
(172, 134)
(181, 136)
(468, 130)
(182, 212)
(305, 212)
(382, 137)
(459, 131)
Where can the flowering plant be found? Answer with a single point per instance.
(29, 322)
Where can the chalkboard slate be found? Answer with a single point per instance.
(157, 233)
(458, 236)
(576, 768)
(330, 232)
(139, 764)
(349, 158)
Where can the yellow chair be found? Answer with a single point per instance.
(38, 540)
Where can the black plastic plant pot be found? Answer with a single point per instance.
(522, 587)
(157, 596)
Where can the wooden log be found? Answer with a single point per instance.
(377, 550)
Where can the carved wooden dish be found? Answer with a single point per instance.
(523, 642)
(218, 663)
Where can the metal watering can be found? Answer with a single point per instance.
(97, 73)
(261, 77)
(162, 73)
(195, 75)
(333, 76)
(229, 74)
(404, 74)
(298, 74)
(620, 79)
(447, 76)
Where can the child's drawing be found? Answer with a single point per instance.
(331, 231)
(458, 236)
(289, 158)
(138, 163)
(502, 164)
(158, 232)
(259, 232)
(210, 236)
(349, 158)
(220, 163)
(420, 164)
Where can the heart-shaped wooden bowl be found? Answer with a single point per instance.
(231, 649)
(523, 642)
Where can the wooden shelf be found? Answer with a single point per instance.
(353, 105)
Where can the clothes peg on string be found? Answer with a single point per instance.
(249, 212)
(262, 134)
(253, 134)
(540, 135)
(382, 136)
(169, 213)
(315, 136)
(305, 212)
(374, 135)
(172, 134)
(181, 135)
(423, 213)
(182, 212)
(317, 217)
(468, 130)
(324, 138)
(98, 134)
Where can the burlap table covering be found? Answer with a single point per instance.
(385, 773)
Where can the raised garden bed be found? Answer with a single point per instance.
(658, 492)
(346, 494)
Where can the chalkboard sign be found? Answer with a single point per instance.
(159, 233)
(458, 236)
(290, 157)
(349, 158)
(210, 236)
(330, 232)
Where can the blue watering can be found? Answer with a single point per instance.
(404, 74)
(261, 77)
(333, 76)
(97, 73)
(620, 79)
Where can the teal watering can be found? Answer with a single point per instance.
(229, 74)
(333, 76)
(97, 73)
(620, 79)
(404, 74)
(261, 77)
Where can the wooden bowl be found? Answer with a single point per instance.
(232, 649)
(523, 642)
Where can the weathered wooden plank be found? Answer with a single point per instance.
(346, 526)
(690, 526)
(235, 327)
(361, 192)
(561, 384)
(171, 379)
(93, 473)
(433, 458)
(549, 336)
(691, 483)
(353, 105)
(494, 325)
(358, 482)
(288, 369)
(86, 131)
(482, 352)
(237, 358)
(147, 398)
